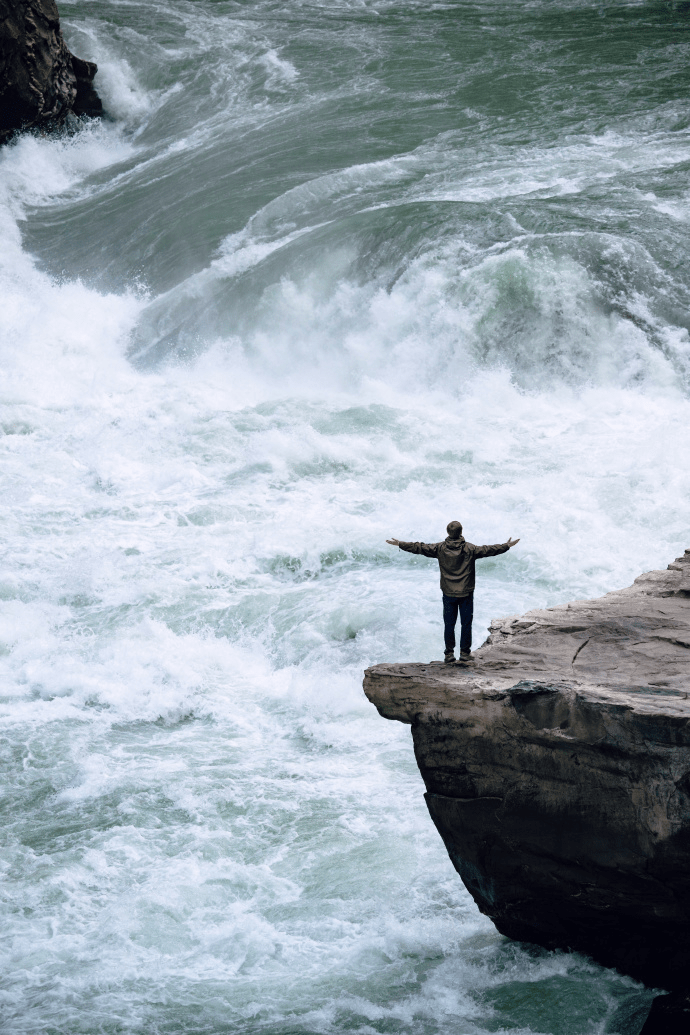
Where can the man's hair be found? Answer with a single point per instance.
(454, 530)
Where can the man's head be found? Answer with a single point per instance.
(454, 530)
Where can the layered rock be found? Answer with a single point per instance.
(40, 80)
(557, 769)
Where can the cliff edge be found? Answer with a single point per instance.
(40, 80)
(557, 770)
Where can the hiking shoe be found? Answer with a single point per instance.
(465, 655)
(449, 657)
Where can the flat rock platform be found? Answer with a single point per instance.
(557, 772)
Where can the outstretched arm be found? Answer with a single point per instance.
(491, 551)
(426, 549)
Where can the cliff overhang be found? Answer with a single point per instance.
(557, 772)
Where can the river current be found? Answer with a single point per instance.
(334, 272)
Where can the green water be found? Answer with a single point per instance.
(332, 273)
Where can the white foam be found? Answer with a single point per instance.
(195, 574)
(124, 97)
(279, 69)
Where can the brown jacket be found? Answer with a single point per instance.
(456, 559)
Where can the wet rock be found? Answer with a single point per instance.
(557, 770)
(40, 80)
(670, 1015)
(87, 101)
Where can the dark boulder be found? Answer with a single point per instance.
(40, 80)
(670, 1015)
(87, 101)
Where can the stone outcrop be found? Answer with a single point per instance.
(557, 770)
(670, 1015)
(40, 80)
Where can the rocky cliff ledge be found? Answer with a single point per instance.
(557, 769)
(40, 81)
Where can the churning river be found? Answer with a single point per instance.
(336, 271)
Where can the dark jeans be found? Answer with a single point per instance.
(451, 606)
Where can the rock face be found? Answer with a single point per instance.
(40, 81)
(670, 1015)
(557, 769)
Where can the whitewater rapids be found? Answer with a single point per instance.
(333, 273)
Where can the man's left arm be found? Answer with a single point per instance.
(491, 551)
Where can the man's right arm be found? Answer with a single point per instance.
(426, 549)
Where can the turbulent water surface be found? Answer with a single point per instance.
(337, 270)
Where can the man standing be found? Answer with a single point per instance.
(456, 559)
